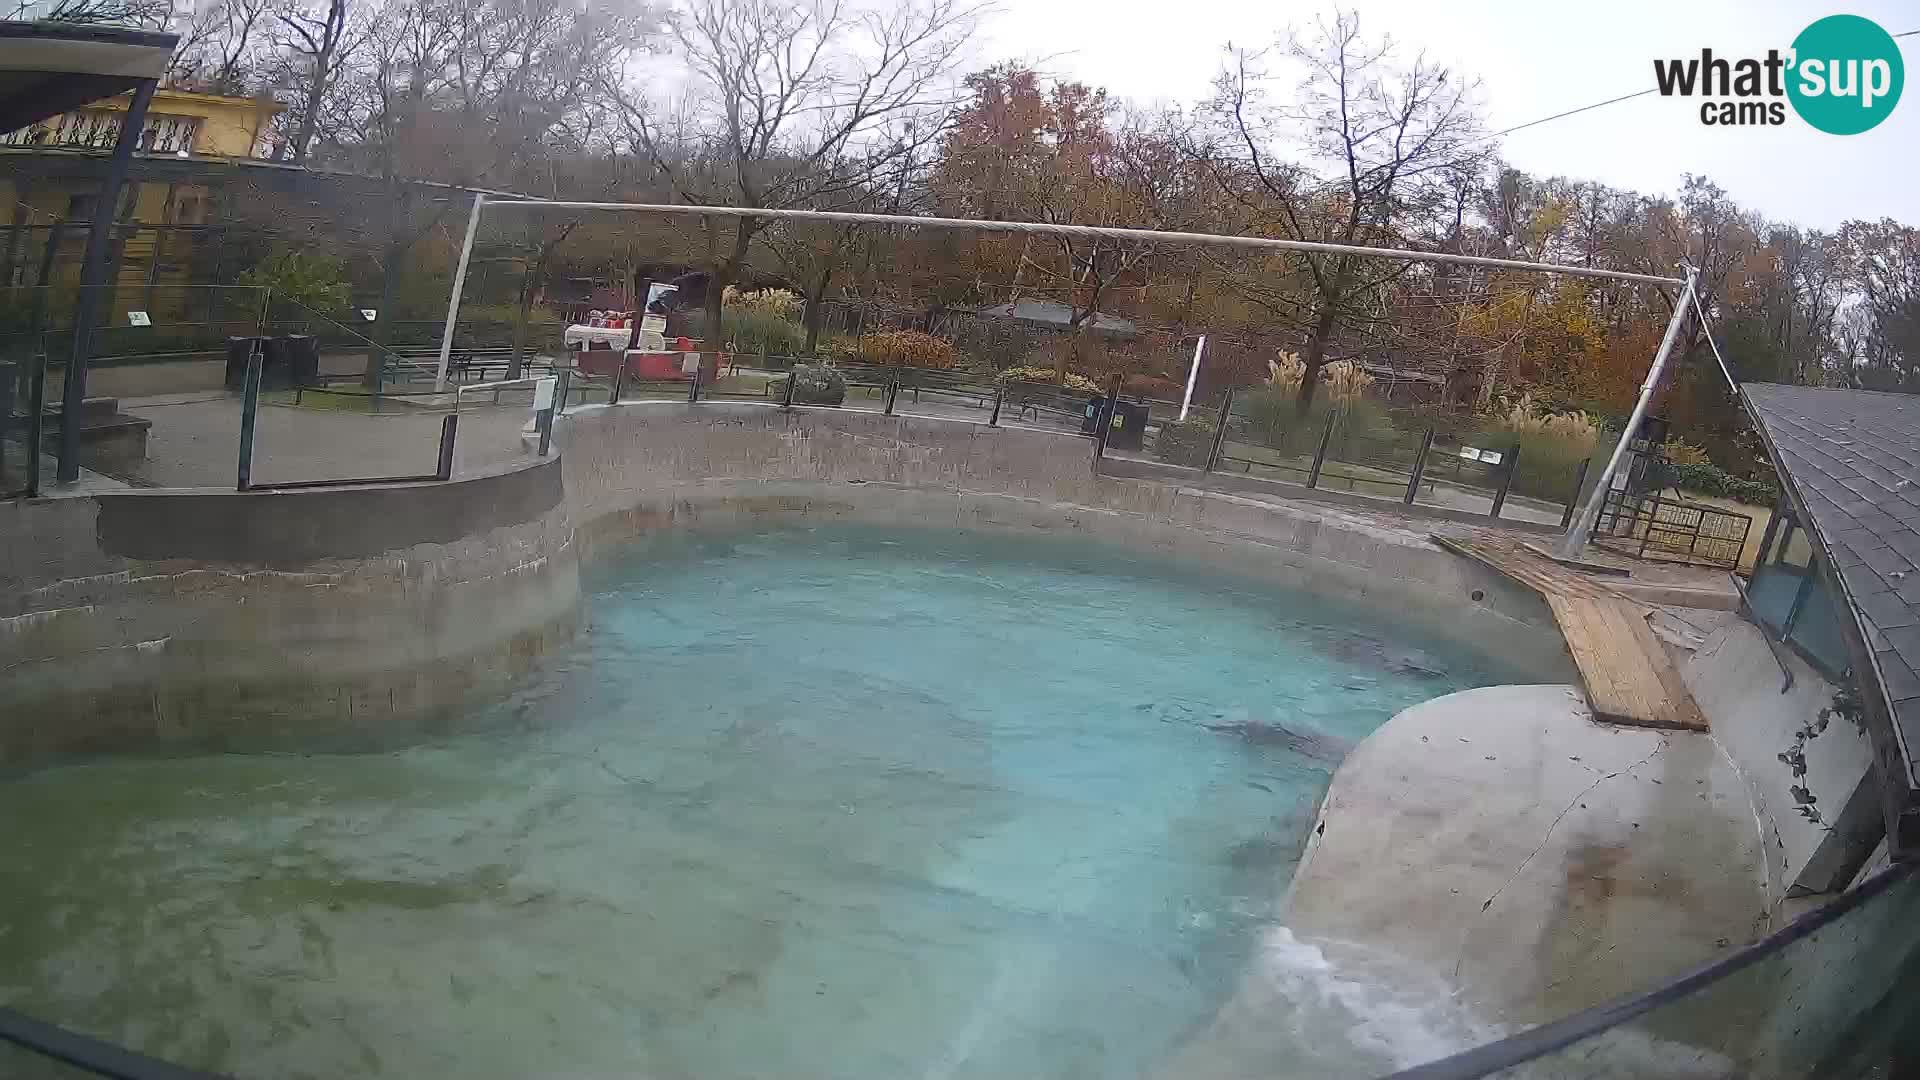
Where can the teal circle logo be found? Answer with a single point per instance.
(1846, 76)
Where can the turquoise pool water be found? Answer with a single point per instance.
(803, 804)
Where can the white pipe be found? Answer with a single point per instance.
(1102, 232)
(1193, 373)
(1581, 530)
(459, 283)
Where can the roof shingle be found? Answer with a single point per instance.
(1853, 457)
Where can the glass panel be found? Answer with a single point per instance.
(1817, 630)
(1841, 1001)
(19, 1063)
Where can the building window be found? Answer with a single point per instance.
(99, 129)
(1789, 595)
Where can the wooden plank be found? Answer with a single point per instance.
(1626, 672)
(1583, 625)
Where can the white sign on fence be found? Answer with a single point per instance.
(1473, 453)
(543, 395)
(369, 314)
(1470, 453)
(138, 318)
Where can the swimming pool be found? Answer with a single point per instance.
(813, 802)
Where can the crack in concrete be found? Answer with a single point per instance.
(1665, 741)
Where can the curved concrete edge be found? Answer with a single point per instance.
(1821, 822)
(631, 470)
(176, 620)
(1539, 862)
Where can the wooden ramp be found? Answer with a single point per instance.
(1628, 675)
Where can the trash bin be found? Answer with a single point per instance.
(1090, 415)
(1126, 428)
(238, 351)
(303, 359)
(1129, 425)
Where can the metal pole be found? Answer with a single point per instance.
(1320, 455)
(1573, 501)
(1576, 538)
(449, 425)
(793, 376)
(619, 381)
(36, 393)
(1103, 420)
(999, 395)
(249, 408)
(1089, 231)
(1219, 432)
(93, 280)
(893, 391)
(1800, 596)
(693, 386)
(1766, 535)
(1193, 374)
(459, 283)
(1419, 467)
(1506, 481)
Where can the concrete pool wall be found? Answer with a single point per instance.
(208, 618)
(205, 619)
(635, 468)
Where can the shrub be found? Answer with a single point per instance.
(749, 330)
(1552, 445)
(1275, 420)
(814, 384)
(777, 302)
(1340, 381)
(1184, 442)
(315, 282)
(1710, 479)
(1077, 383)
(1685, 453)
(896, 348)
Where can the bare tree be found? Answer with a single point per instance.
(1376, 143)
(317, 41)
(796, 105)
(220, 45)
(142, 14)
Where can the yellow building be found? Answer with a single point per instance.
(47, 186)
(178, 122)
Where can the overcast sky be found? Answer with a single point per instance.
(1535, 58)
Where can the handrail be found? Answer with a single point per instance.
(86, 1053)
(1535, 1043)
(529, 382)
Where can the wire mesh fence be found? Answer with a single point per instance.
(166, 400)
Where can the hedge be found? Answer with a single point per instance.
(1711, 479)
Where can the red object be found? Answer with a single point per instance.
(683, 344)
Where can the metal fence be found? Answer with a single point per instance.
(1652, 526)
(1363, 450)
(217, 385)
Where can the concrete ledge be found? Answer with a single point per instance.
(1541, 863)
(1253, 485)
(636, 468)
(185, 619)
(283, 529)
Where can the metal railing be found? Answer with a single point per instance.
(1652, 526)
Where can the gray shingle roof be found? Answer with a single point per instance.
(1058, 315)
(1853, 458)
